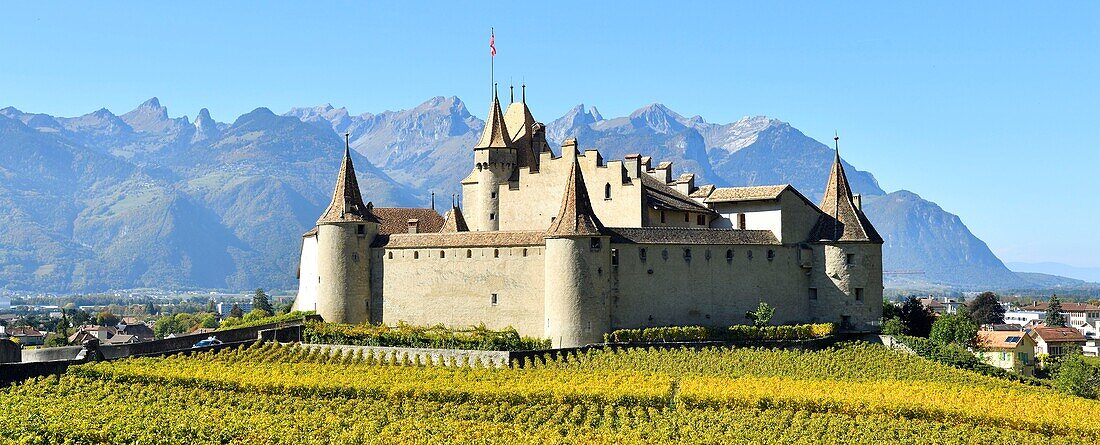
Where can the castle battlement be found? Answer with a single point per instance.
(572, 246)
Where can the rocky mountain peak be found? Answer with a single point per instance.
(658, 118)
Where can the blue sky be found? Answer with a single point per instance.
(988, 108)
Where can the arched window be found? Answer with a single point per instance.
(389, 255)
(771, 254)
(496, 253)
(469, 253)
(416, 255)
(443, 254)
(524, 252)
(687, 254)
(729, 255)
(607, 191)
(641, 254)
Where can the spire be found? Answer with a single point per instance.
(523, 92)
(347, 202)
(495, 134)
(576, 217)
(842, 220)
(511, 93)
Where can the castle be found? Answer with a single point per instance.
(570, 246)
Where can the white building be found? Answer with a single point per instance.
(224, 308)
(1023, 317)
(1081, 316)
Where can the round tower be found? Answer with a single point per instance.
(494, 164)
(345, 232)
(577, 277)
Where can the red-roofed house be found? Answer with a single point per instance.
(1056, 342)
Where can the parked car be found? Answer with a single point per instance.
(207, 342)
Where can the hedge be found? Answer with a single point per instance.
(733, 333)
(437, 337)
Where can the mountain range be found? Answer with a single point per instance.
(105, 201)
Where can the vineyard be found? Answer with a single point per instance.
(270, 393)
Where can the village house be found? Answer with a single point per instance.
(1056, 341)
(1081, 316)
(1010, 350)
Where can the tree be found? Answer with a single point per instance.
(762, 315)
(916, 318)
(150, 309)
(236, 311)
(1077, 377)
(260, 301)
(893, 326)
(1054, 316)
(80, 317)
(889, 310)
(211, 306)
(166, 325)
(106, 318)
(986, 309)
(954, 329)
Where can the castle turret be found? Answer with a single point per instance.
(577, 270)
(345, 232)
(847, 277)
(494, 164)
(527, 135)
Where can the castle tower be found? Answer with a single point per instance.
(494, 164)
(847, 274)
(527, 135)
(344, 234)
(577, 270)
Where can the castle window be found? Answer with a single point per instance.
(771, 255)
(496, 253)
(741, 221)
(361, 229)
(442, 254)
(493, 195)
(859, 294)
(706, 254)
(492, 216)
(607, 191)
(469, 253)
(416, 255)
(701, 220)
(614, 257)
(850, 259)
(641, 254)
(749, 254)
(493, 299)
(389, 255)
(524, 252)
(662, 216)
(687, 217)
(595, 244)
(664, 254)
(687, 254)
(355, 257)
(729, 255)
(813, 293)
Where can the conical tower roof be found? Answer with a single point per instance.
(576, 217)
(521, 126)
(454, 221)
(842, 221)
(495, 134)
(347, 202)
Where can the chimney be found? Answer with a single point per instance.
(663, 172)
(857, 199)
(569, 148)
(633, 164)
(414, 226)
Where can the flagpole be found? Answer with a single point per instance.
(492, 66)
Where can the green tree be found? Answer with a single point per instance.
(106, 318)
(916, 318)
(236, 311)
(166, 325)
(986, 309)
(954, 329)
(211, 306)
(260, 301)
(1077, 377)
(150, 309)
(80, 317)
(889, 310)
(208, 321)
(762, 315)
(1054, 316)
(893, 326)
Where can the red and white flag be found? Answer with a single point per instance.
(492, 44)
